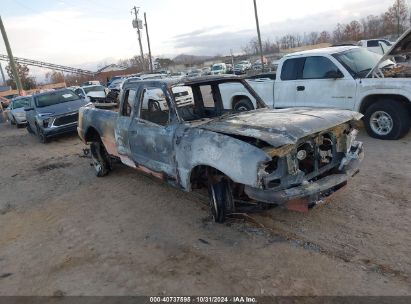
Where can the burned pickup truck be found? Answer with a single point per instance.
(289, 157)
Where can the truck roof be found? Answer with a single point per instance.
(322, 51)
(188, 81)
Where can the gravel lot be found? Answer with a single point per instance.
(66, 232)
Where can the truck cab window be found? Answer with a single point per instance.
(373, 43)
(154, 107)
(292, 68)
(318, 67)
(128, 105)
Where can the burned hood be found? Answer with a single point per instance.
(280, 127)
(62, 108)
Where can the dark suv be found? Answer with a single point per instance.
(53, 113)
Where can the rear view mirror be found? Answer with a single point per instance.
(334, 74)
(28, 109)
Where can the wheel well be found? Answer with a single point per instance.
(200, 174)
(369, 100)
(238, 98)
(92, 135)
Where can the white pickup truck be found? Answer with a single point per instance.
(345, 77)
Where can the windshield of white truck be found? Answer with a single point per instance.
(358, 62)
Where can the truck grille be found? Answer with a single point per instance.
(67, 119)
(180, 94)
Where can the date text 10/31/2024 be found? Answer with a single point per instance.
(234, 299)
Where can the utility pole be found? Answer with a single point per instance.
(138, 25)
(2, 75)
(148, 42)
(232, 58)
(259, 35)
(11, 58)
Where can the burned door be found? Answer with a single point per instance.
(124, 119)
(151, 135)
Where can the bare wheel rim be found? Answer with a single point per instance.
(214, 202)
(381, 123)
(96, 162)
(242, 108)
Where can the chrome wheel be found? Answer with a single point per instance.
(381, 123)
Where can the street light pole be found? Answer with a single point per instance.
(259, 35)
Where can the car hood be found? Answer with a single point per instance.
(280, 127)
(19, 110)
(401, 47)
(62, 108)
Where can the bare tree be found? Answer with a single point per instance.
(313, 38)
(55, 77)
(353, 31)
(324, 37)
(398, 14)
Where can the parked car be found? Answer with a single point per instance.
(247, 64)
(15, 111)
(97, 94)
(53, 113)
(115, 85)
(379, 46)
(240, 69)
(230, 69)
(113, 79)
(257, 65)
(206, 71)
(178, 75)
(90, 83)
(292, 157)
(194, 73)
(155, 100)
(346, 77)
(218, 69)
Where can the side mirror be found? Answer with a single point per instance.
(334, 74)
(28, 109)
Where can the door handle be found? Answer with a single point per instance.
(300, 88)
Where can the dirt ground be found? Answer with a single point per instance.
(64, 231)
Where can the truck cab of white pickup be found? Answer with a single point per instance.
(345, 77)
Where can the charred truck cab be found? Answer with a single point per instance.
(289, 157)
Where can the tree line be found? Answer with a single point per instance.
(388, 24)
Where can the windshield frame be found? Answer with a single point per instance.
(359, 72)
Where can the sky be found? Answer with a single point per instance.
(91, 33)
